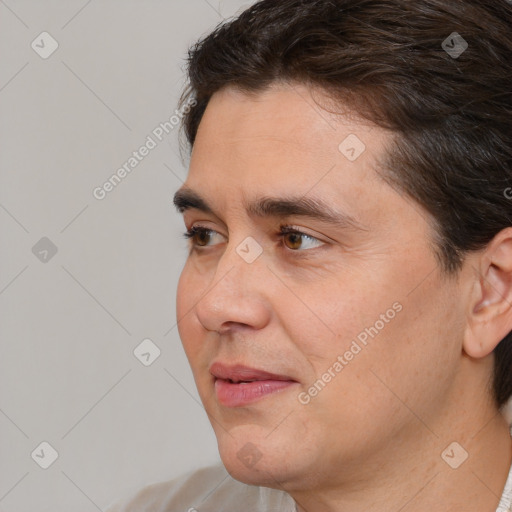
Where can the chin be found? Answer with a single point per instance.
(265, 474)
(256, 461)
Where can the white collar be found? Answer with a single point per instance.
(506, 498)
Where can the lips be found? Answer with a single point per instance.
(239, 385)
(240, 373)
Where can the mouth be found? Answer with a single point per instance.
(238, 385)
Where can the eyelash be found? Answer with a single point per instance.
(283, 231)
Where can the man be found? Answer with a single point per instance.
(346, 305)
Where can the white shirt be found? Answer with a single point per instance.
(212, 489)
(506, 498)
(209, 489)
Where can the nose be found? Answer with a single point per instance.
(237, 295)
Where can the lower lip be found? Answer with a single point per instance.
(230, 394)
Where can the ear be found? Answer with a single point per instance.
(490, 313)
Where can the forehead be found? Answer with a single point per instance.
(281, 139)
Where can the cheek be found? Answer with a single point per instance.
(415, 358)
(183, 295)
(394, 346)
(340, 315)
(188, 295)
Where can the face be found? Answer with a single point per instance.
(315, 282)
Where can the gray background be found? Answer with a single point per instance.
(70, 321)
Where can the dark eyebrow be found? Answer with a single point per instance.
(186, 198)
(290, 206)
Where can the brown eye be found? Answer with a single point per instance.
(201, 237)
(298, 241)
(295, 240)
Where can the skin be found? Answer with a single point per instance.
(372, 438)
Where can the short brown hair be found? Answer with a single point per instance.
(436, 72)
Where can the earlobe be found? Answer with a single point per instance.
(490, 311)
